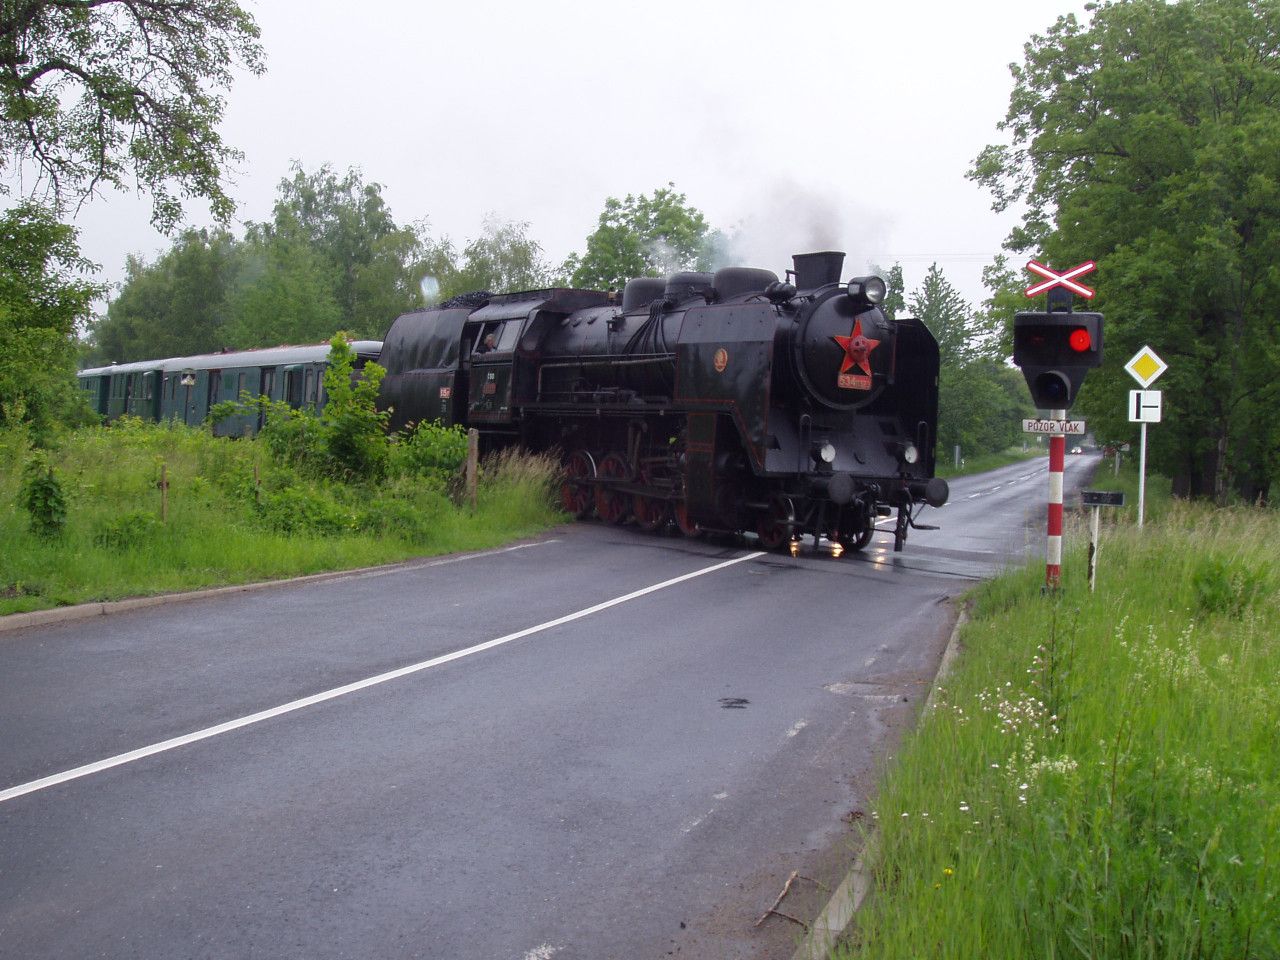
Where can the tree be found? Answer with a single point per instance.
(895, 301)
(979, 400)
(1149, 141)
(42, 300)
(962, 335)
(1006, 300)
(283, 293)
(176, 305)
(101, 92)
(331, 258)
(980, 408)
(642, 236)
(503, 259)
(368, 258)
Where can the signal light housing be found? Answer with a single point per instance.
(1055, 351)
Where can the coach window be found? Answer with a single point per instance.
(310, 390)
(239, 385)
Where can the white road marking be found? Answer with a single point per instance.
(141, 753)
(797, 727)
(544, 952)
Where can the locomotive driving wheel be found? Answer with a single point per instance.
(575, 488)
(652, 513)
(613, 506)
(775, 525)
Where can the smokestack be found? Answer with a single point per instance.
(817, 269)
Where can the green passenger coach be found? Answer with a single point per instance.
(182, 389)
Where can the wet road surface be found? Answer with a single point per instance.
(597, 744)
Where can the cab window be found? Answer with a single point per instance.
(509, 335)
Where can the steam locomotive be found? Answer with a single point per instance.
(733, 401)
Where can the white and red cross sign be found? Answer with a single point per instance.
(1066, 279)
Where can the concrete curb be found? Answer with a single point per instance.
(845, 902)
(84, 611)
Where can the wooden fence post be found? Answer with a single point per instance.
(473, 467)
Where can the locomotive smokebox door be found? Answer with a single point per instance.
(844, 351)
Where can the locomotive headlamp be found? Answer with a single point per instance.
(906, 451)
(868, 290)
(827, 453)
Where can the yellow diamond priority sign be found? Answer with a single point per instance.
(1146, 367)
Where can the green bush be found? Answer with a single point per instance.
(301, 510)
(355, 431)
(293, 437)
(431, 451)
(42, 496)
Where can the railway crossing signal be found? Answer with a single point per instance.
(1055, 349)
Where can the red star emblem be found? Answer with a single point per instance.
(857, 349)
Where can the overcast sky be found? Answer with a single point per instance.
(803, 125)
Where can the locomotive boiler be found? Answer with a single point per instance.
(733, 401)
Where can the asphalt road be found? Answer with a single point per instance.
(597, 744)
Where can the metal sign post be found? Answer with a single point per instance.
(1097, 499)
(1144, 407)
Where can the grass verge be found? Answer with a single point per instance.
(1100, 777)
(988, 461)
(234, 515)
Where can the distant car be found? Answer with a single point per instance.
(1078, 450)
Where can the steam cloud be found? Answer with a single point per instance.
(788, 218)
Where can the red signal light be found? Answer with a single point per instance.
(1079, 340)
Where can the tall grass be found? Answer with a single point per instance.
(1100, 776)
(235, 515)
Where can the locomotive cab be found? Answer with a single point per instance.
(426, 379)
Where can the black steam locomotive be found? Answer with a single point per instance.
(729, 401)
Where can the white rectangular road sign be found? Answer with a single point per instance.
(1067, 428)
(1144, 406)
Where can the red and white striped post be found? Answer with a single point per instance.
(1057, 462)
